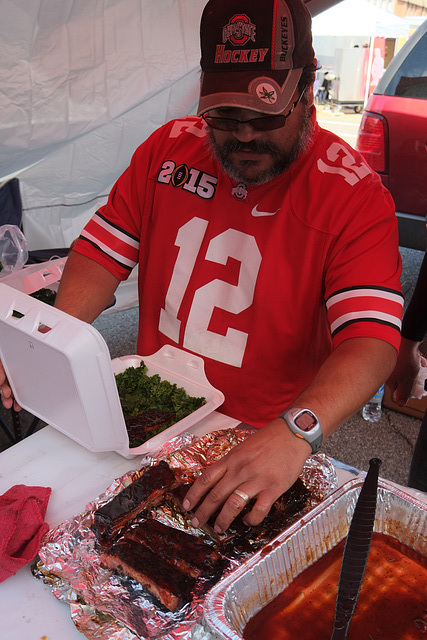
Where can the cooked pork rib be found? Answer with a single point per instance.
(146, 424)
(171, 587)
(167, 562)
(147, 490)
(189, 554)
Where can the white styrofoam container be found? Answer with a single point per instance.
(37, 276)
(64, 375)
(184, 369)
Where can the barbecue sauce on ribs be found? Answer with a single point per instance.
(147, 490)
(166, 561)
(169, 585)
(147, 424)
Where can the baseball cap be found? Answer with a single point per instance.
(253, 53)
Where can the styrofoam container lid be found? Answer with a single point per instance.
(60, 370)
(36, 276)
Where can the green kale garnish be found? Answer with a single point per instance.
(45, 295)
(139, 392)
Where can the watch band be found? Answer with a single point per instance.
(304, 424)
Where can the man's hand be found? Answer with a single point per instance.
(6, 391)
(270, 461)
(404, 376)
(264, 466)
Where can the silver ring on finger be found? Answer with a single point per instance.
(242, 495)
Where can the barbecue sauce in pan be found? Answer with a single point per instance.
(392, 602)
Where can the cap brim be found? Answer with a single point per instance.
(266, 94)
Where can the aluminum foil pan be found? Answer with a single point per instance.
(240, 595)
(105, 605)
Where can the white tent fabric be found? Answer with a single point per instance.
(82, 84)
(359, 18)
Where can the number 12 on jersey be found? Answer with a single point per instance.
(228, 348)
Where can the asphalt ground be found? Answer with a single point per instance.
(354, 443)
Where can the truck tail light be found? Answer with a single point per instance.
(372, 141)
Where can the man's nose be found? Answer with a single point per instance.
(245, 132)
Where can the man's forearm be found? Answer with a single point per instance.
(267, 463)
(347, 379)
(85, 288)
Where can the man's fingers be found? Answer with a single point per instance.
(213, 491)
(232, 504)
(6, 396)
(5, 390)
(208, 479)
(259, 511)
(403, 392)
(253, 469)
(242, 495)
(7, 399)
(235, 504)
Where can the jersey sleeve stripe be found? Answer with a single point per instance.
(121, 260)
(111, 240)
(373, 321)
(365, 316)
(375, 292)
(130, 239)
(365, 306)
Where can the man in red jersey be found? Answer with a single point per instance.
(264, 244)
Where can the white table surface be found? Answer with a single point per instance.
(28, 609)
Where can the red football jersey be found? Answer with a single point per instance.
(260, 281)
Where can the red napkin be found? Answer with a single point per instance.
(22, 512)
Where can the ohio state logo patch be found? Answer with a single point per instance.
(266, 92)
(240, 191)
(239, 30)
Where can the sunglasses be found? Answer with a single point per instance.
(264, 123)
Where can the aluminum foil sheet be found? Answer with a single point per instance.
(105, 605)
(240, 595)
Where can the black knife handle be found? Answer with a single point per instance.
(356, 552)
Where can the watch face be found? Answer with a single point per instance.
(305, 421)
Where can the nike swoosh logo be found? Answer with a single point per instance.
(259, 214)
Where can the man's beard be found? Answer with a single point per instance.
(282, 159)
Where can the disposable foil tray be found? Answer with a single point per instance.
(60, 370)
(239, 596)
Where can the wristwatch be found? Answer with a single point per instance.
(304, 424)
